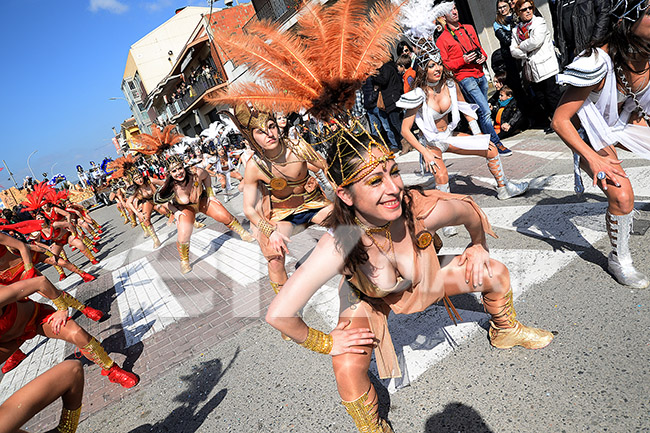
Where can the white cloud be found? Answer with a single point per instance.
(158, 5)
(113, 6)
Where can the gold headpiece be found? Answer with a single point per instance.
(353, 159)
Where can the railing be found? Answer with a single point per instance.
(192, 94)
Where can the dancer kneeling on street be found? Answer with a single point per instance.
(382, 240)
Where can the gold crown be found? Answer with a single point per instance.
(350, 147)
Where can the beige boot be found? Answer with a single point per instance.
(505, 331)
(184, 252)
(236, 227)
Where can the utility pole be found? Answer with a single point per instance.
(11, 175)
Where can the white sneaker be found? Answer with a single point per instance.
(511, 189)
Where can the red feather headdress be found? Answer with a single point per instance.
(24, 227)
(37, 198)
(318, 67)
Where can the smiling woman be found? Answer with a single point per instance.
(382, 241)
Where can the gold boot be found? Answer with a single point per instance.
(69, 420)
(505, 331)
(236, 227)
(126, 218)
(133, 221)
(59, 269)
(65, 301)
(96, 353)
(198, 225)
(90, 256)
(145, 230)
(154, 236)
(365, 415)
(63, 255)
(184, 252)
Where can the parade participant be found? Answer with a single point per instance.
(186, 193)
(64, 380)
(83, 220)
(435, 106)
(608, 92)
(117, 194)
(22, 319)
(141, 202)
(381, 240)
(225, 169)
(62, 236)
(45, 255)
(290, 196)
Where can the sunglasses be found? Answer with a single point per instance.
(526, 9)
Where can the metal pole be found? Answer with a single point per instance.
(11, 175)
(29, 166)
(52, 168)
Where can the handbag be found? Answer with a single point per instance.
(380, 101)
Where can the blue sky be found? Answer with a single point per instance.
(63, 61)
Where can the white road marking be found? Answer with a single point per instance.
(145, 302)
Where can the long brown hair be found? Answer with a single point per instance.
(421, 74)
(623, 45)
(501, 19)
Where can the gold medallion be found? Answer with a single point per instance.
(278, 183)
(196, 184)
(424, 239)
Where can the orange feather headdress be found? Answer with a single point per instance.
(158, 141)
(317, 67)
(122, 166)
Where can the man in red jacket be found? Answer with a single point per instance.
(462, 53)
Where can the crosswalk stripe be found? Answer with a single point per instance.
(145, 302)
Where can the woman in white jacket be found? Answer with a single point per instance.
(532, 43)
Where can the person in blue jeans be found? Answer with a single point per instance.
(462, 53)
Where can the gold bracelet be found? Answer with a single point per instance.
(318, 341)
(266, 227)
(60, 302)
(29, 266)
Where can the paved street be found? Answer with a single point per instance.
(209, 363)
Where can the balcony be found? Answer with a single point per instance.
(178, 106)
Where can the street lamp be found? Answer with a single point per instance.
(29, 166)
(115, 98)
(52, 168)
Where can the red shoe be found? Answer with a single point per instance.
(96, 238)
(117, 375)
(92, 313)
(62, 277)
(87, 277)
(95, 250)
(73, 249)
(14, 360)
(94, 261)
(100, 231)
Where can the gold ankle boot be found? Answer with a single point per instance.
(198, 225)
(145, 229)
(184, 252)
(96, 353)
(69, 420)
(365, 416)
(154, 236)
(236, 227)
(133, 221)
(505, 331)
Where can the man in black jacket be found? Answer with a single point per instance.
(577, 23)
(390, 86)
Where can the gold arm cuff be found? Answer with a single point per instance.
(29, 266)
(266, 227)
(318, 341)
(69, 420)
(210, 192)
(60, 302)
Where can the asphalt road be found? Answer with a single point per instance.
(593, 377)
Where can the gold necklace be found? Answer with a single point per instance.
(385, 247)
(276, 157)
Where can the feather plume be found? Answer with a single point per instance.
(37, 198)
(317, 67)
(441, 9)
(375, 39)
(24, 227)
(158, 141)
(417, 18)
(122, 165)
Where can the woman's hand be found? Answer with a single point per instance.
(57, 320)
(344, 339)
(475, 258)
(278, 242)
(29, 273)
(431, 161)
(505, 127)
(608, 165)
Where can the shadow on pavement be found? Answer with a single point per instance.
(188, 416)
(457, 417)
